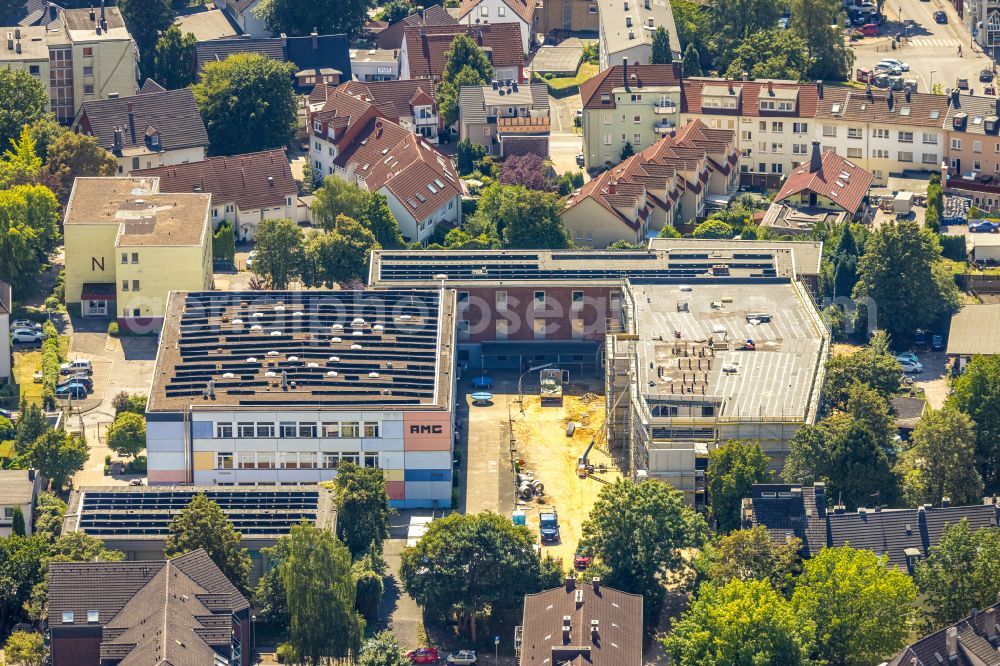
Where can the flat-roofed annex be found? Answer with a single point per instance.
(285, 350)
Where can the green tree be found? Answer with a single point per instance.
(524, 218)
(741, 623)
(45, 130)
(327, 17)
(6, 429)
(81, 547)
(320, 595)
(396, 10)
(58, 456)
(377, 217)
(713, 229)
(22, 567)
(173, 59)
(49, 514)
(362, 507)
(340, 255)
(637, 530)
(73, 155)
(752, 555)
(336, 197)
(960, 573)
(224, 242)
(203, 525)
(280, 252)
(691, 64)
(468, 153)
(382, 649)
(693, 23)
(25, 648)
(827, 55)
(471, 565)
(270, 593)
(368, 584)
(247, 103)
(769, 54)
(732, 470)
(941, 460)
(733, 21)
(464, 52)
(30, 427)
(19, 164)
(29, 231)
(449, 90)
(17, 522)
(870, 366)
(146, 20)
(627, 151)
(861, 608)
(127, 435)
(22, 101)
(662, 52)
(976, 392)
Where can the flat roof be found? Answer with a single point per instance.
(975, 329)
(146, 217)
(333, 350)
(627, 24)
(577, 267)
(805, 255)
(689, 339)
(791, 220)
(144, 512)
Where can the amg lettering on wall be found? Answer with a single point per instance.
(426, 429)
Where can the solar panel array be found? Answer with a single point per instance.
(252, 512)
(424, 266)
(302, 348)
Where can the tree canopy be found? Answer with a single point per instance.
(340, 255)
(279, 252)
(127, 434)
(827, 56)
(29, 231)
(976, 392)
(527, 170)
(327, 17)
(336, 197)
(58, 456)
(382, 649)
(524, 218)
(173, 59)
(22, 101)
(663, 52)
(732, 470)
(203, 525)
(73, 155)
(752, 555)
(872, 366)
(146, 20)
(247, 103)
(774, 53)
(941, 460)
(362, 507)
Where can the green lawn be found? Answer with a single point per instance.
(26, 363)
(562, 87)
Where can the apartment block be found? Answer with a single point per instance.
(626, 29)
(490, 114)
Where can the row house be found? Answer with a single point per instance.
(628, 104)
(884, 131)
(352, 140)
(772, 119)
(412, 104)
(487, 111)
(665, 184)
(517, 12)
(424, 47)
(973, 155)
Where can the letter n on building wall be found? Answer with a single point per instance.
(97, 264)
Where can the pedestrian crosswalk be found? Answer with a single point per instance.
(928, 41)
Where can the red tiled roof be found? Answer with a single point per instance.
(393, 99)
(525, 10)
(829, 181)
(252, 180)
(638, 75)
(748, 95)
(341, 111)
(426, 45)
(386, 155)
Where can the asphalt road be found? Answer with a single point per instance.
(932, 49)
(564, 144)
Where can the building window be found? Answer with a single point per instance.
(223, 430)
(607, 139)
(136, 312)
(88, 70)
(592, 9)
(224, 460)
(539, 298)
(88, 51)
(331, 430)
(829, 130)
(135, 285)
(930, 138)
(501, 11)
(854, 152)
(877, 174)
(577, 298)
(905, 156)
(976, 165)
(462, 297)
(880, 153)
(929, 158)
(763, 126)
(124, 285)
(484, 10)
(371, 460)
(88, 89)
(124, 257)
(977, 146)
(956, 144)
(636, 139)
(135, 163)
(853, 133)
(8, 513)
(34, 70)
(245, 430)
(373, 430)
(501, 300)
(350, 429)
(265, 429)
(880, 133)
(93, 616)
(800, 128)
(286, 429)
(330, 460)
(289, 460)
(246, 460)
(777, 168)
(135, 257)
(777, 127)
(67, 617)
(906, 137)
(307, 430)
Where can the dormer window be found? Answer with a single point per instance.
(605, 98)
(154, 140)
(318, 126)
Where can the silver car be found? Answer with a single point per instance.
(462, 657)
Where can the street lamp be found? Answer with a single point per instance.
(520, 399)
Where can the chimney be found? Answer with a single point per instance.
(31, 474)
(745, 77)
(93, 15)
(567, 628)
(770, 87)
(729, 84)
(131, 121)
(211, 388)
(284, 379)
(990, 620)
(595, 630)
(104, 21)
(868, 89)
(570, 582)
(951, 641)
(907, 92)
(955, 101)
(578, 598)
(819, 89)
(597, 584)
(315, 39)
(625, 71)
(816, 160)
(945, 502)
(889, 99)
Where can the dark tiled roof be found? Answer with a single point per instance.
(216, 50)
(151, 86)
(908, 411)
(618, 640)
(974, 642)
(327, 51)
(791, 510)
(252, 180)
(638, 75)
(33, 12)
(837, 179)
(881, 106)
(426, 45)
(241, 5)
(393, 99)
(748, 95)
(174, 114)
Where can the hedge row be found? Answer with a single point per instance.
(51, 361)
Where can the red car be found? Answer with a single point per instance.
(868, 30)
(424, 655)
(581, 560)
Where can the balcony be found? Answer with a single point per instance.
(663, 127)
(425, 120)
(664, 109)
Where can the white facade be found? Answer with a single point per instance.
(497, 11)
(422, 230)
(140, 157)
(248, 23)
(883, 148)
(374, 65)
(245, 222)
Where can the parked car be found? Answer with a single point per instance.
(250, 258)
(888, 68)
(73, 390)
(940, 17)
(87, 382)
(869, 30)
(7, 414)
(79, 365)
(27, 336)
(424, 655)
(462, 657)
(911, 367)
(25, 323)
(581, 560)
(937, 342)
(984, 227)
(919, 338)
(896, 62)
(907, 357)
(986, 75)
(579, 160)
(962, 84)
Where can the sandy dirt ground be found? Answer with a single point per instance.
(552, 456)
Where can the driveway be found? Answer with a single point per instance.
(934, 379)
(564, 143)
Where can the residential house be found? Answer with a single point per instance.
(375, 64)
(85, 54)
(6, 305)
(243, 14)
(410, 104)
(973, 155)
(352, 140)
(567, 16)
(974, 331)
(628, 104)
(773, 121)
(148, 130)
(906, 412)
(246, 189)
(827, 188)
(904, 536)
(178, 611)
(491, 115)
(519, 12)
(883, 131)
(391, 37)
(581, 622)
(626, 29)
(422, 54)
(665, 184)
(206, 24)
(128, 245)
(972, 641)
(19, 488)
